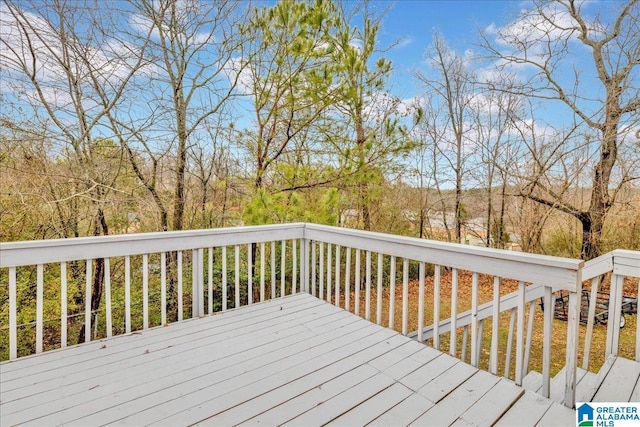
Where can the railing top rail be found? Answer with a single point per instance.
(557, 272)
(619, 261)
(597, 266)
(15, 254)
(626, 262)
(560, 273)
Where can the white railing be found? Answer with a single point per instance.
(156, 278)
(616, 268)
(357, 271)
(75, 264)
(492, 310)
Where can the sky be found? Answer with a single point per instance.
(411, 23)
(407, 30)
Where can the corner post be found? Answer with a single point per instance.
(573, 324)
(615, 313)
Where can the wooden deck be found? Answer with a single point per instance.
(617, 381)
(295, 361)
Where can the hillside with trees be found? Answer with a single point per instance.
(135, 116)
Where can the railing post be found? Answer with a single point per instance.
(249, 274)
(573, 322)
(87, 304)
(548, 315)
(520, 333)
(304, 265)
(145, 291)
(475, 355)
(197, 283)
(200, 253)
(593, 296)
(615, 307)
(13, 323)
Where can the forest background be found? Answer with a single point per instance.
(156, 115)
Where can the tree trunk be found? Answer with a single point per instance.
(458, 210)
(489, 211)
(363, 185)
(600, 199)
(503, 198)
(100, 227)
(178, 199)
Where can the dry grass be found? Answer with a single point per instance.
(485, 294)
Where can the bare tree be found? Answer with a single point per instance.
(429, 133)
(498, 149)
(545, 42)
(453, 85)
(70, 73)
(214, 171)
(191, 47)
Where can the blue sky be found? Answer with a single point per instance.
(412, 22)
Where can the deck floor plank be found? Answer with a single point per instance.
(370, 409)
(196, 389)
(205, 399)
(404, 413)
(61, 358)
(447, 380)
(228, 360)
(620, 381)
(456, 402)
(156, 360)
(411, 363)
(635, 396)
(428, 372)
(166, 386)
(125, 347)
(294, 360)
(557, 415)
(330, 409)
(492, 405)
(526, 411)
(290, 397)
(398, 357)
(359, 352)
(277, 407)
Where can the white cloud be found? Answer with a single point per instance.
(30, 45)
(14, 49)
(538, 26)
(404, 41)
(143, 25)
(357, 44)
(532, 26)
(236, 68)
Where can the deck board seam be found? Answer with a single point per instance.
(361, 326)
(163, 360)
(176, 327)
